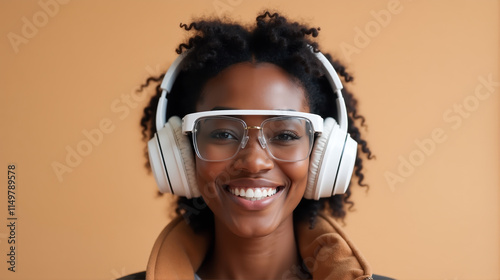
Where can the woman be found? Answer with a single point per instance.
(248, 161)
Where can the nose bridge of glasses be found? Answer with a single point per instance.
(260, 137)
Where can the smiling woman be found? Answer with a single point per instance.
(252, 86)
(261, 160)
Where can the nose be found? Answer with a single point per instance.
(253, 158)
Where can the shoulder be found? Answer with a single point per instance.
(142, 276)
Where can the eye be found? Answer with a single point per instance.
(285, 136)
(222, 135)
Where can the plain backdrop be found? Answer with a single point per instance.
(426, 76)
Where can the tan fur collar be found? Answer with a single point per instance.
(326, 251)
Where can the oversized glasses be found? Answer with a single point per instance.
(286, 135)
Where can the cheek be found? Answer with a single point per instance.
(206, 174)
(297, 173)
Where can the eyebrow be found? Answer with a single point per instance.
(216, 108)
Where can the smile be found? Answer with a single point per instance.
(253, 194)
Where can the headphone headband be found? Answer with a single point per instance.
(334, 80)
(173, 72)
(166, 86)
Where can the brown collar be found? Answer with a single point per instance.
(326, 251)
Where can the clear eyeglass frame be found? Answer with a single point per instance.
(313, 126)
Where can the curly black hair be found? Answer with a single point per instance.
(217, 44)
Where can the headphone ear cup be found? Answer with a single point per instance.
(172, 160)
(328, 162)
(317, 154)
(346, 167)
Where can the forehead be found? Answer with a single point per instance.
(261, 86)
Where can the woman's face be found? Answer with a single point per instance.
(260, 86)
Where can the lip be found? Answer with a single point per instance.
(248, 183)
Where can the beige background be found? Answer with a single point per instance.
(76, 69)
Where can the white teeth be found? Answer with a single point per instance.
(249, 193)
(257, 193)
(253, 194)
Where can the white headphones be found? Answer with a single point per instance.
(331, 162)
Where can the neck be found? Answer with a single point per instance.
(266, 257)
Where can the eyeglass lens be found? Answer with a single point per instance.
(285, 138)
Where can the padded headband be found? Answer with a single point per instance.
(173, 72)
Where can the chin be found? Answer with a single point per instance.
(252, 226)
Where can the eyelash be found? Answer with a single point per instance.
(217, 135)
(290, 134)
